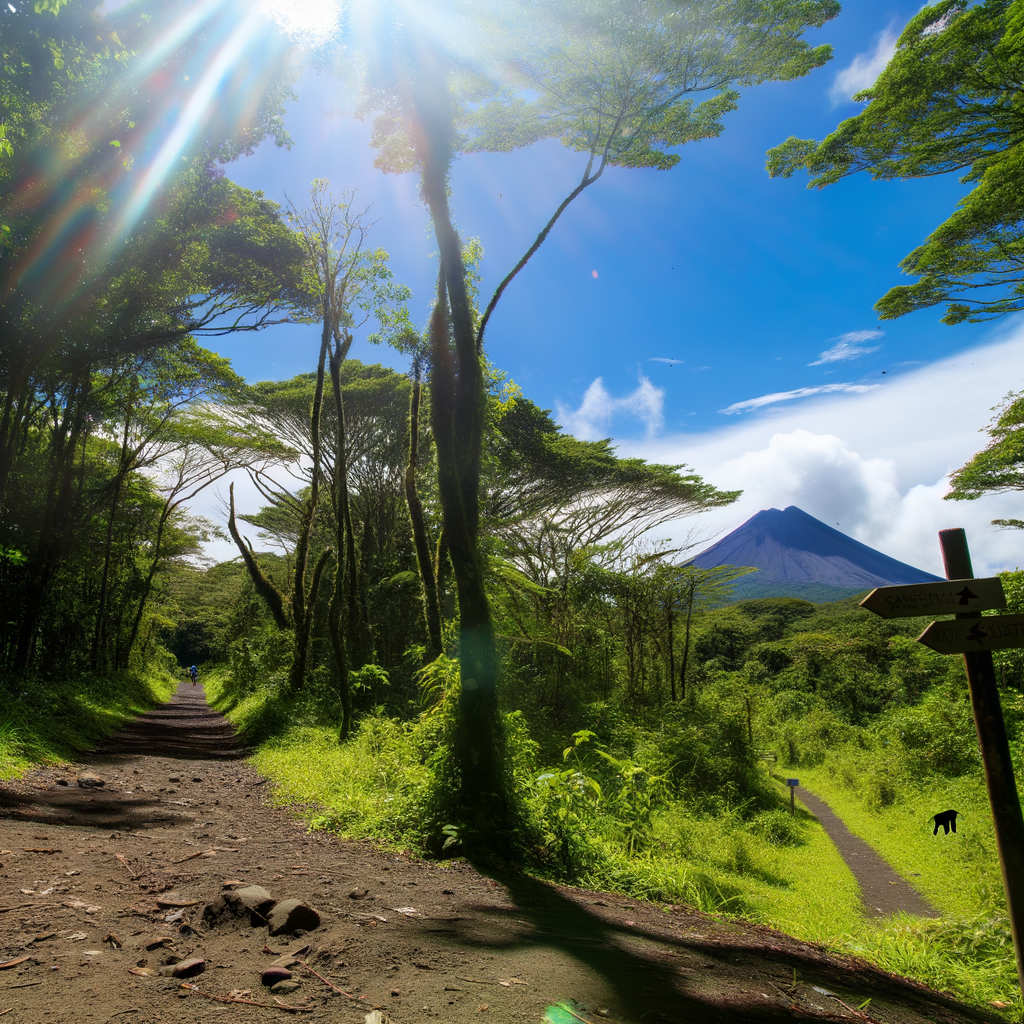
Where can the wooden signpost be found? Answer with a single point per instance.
(792, 783)
(975, 638)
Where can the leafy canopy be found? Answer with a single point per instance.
(1000, 466)
(949, 100)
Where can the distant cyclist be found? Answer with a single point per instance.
(194, 673)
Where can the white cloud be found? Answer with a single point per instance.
(849, 346)
(876, 463)
(788, 396)
(864, 70)
(598, 408)
(665, 359)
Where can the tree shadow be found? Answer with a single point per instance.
(654, 973)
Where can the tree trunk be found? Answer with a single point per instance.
(272, 597)
(670, 613)
(686, 647)
(118, 482)
(345, 544)
(431, 607)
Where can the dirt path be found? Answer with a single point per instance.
(883, 891)
(96, 884)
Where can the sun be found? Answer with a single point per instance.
(311, 21)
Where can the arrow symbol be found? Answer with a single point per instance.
(977, 634)
(966, 596)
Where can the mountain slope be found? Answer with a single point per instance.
(800, 556)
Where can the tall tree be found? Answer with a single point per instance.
(436, 94)
(948, 101)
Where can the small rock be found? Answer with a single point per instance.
(255, 897)
(282, 988)
(285, 960)
(174, 778)
(273, 974)
(158, 941)
(90, 780)
(114, 941)
(290, 916)
(358, 894)
(395, 992)
(188, 968)
(196, 779)
(62, 782)
(233, 909)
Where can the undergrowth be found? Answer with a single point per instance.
(678, 811)
(58, 720)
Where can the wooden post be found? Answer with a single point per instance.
(792, 801)
(995, 753)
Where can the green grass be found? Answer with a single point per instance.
(958, 874)
(769, 869)
(57, 720)
(968, 951)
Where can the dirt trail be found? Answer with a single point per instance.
(84, 873)
(882, 890)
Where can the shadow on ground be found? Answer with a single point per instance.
(185, 728)
(658, 975)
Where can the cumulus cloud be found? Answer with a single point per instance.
(849, 346)
(597, 410)
(864, 70)
(875, 463)
(788, 396)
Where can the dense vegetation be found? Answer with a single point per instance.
(681, 800)
(447, 627)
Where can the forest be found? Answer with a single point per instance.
(451, 626)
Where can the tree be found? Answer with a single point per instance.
(999, 467)
(435, 96)
(948, 101)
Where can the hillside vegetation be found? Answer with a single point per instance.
(682, 801)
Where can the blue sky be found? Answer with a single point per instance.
(748, 281)
(713, 263)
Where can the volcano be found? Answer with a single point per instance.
(797, 555)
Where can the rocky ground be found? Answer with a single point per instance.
(105, 891)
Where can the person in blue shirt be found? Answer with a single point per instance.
(194, 673)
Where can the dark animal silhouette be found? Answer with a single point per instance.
(947, 819)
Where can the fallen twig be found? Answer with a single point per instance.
(13, 963)
(8, 1010)
(25, 984)
(192, 856)
(131, 1009)
(476, 981)
(248, 1002)
(857, 1013)
(22, 906)
(124, 860)
(329, 984)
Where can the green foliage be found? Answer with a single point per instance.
(997, 468)
(945, 102)
(62, 720)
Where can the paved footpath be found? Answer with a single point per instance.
(883, 891)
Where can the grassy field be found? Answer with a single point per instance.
(969, 950)
(56, 721)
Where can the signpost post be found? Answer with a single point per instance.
(975, 637)
(792, 783)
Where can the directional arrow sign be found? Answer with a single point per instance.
(990, 633)
(943, 597)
